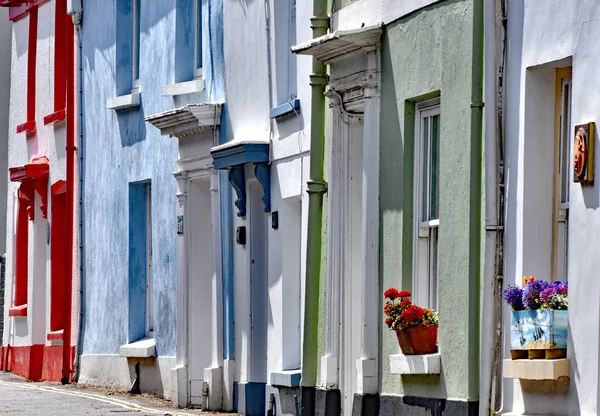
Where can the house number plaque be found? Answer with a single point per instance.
(180, 225)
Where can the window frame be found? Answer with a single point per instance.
(563, 173)
(149, 280)
(198, 46)
(135, 45)
(425, 293)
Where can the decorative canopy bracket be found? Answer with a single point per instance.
(233, 156)
(237, 179)
(33, 176)
(263, 174)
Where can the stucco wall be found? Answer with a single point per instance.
(5, 35)
(540, 34)
(423, 55)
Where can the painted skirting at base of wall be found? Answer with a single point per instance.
(251, 398)
(422, 406)
(113, 371)
(287, 399)
(328, 403)
(34, 362)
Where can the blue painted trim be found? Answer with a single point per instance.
(240, 154)
(263, 174)
(124, 47)
(286, 108)
(137, 260)
(227, 249)
(237, 179)
(251, 398)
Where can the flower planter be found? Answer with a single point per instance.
(541, 329)
(418, 340)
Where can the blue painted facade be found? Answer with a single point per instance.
(122, 151)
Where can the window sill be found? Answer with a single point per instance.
(124, 101)
(182, 88)
(27, 127)
(55, 117)
(55, 335)
(144, 348)
(291, 106)
(286, 378)
(415, 364)
(537, 369)
(20, 310)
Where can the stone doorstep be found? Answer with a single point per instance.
(537, 369)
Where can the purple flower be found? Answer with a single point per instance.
(532, 294)
(513, 295)
(547, 293)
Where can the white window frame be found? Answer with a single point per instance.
(149, 280)
(135, 51)
(425, 236)
(197, 39)
(565, 177)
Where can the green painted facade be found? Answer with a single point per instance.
(435, 51)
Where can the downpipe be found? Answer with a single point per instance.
(492, 322)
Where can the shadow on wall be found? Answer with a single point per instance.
(132, 127)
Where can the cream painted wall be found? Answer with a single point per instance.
(49, 141)
(250, 85)
(5, 34)
(541, 33)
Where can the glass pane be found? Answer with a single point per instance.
(425, 167)
(136, 40)
(434, 192)
(198, 33)
(564, 143)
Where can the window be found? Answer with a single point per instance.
(563, 174)
(285, 61)
(427, 144)
(135, 50)
(188, 41)
(141, 310)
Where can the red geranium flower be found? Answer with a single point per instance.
(413, 313)
(405, 303)
(404, 294)
(391, 293)
(388, 321)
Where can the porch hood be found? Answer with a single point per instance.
(329, 47)
(186, 120)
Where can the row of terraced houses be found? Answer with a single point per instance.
(205, 200)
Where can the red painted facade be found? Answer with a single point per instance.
(46, 362)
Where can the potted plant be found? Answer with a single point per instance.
(539, 317)
(415, 327)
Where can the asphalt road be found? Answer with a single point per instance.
(18, 397)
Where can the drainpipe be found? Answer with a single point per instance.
(492, 325)
(71, 150)
(79, 90)
(316, 188)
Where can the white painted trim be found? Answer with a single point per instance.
(182, 88)
(124, 101)
(415, 364)
(143, 348)
(421, 285)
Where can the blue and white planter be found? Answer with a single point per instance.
(540, 329)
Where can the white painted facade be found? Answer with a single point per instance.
(544, 36)
(255, 86)
(5, 43)
(48, 141)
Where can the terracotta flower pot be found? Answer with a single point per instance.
(419, 340)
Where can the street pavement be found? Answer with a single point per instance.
(18, 397)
